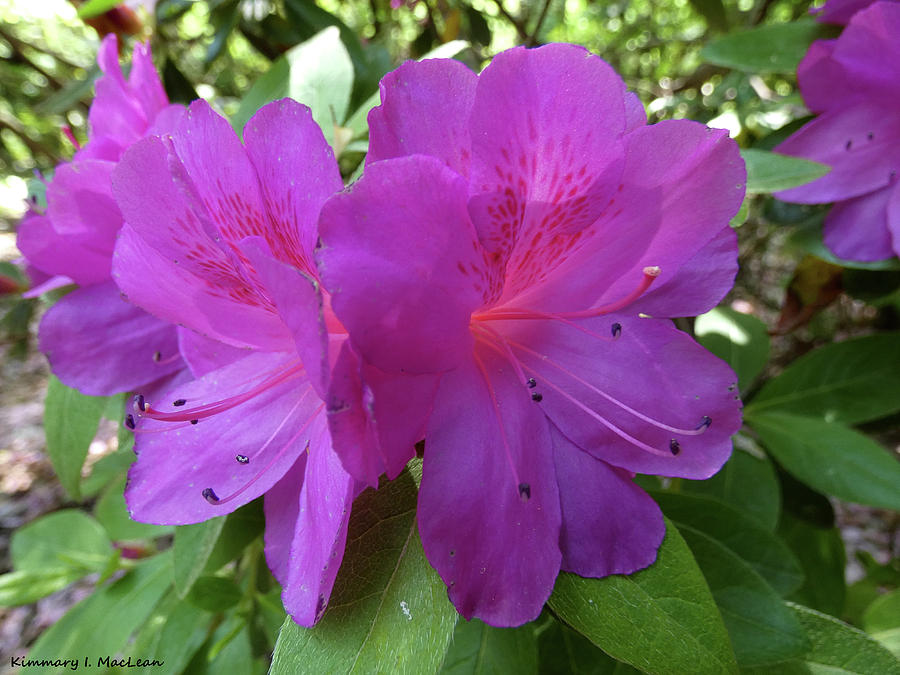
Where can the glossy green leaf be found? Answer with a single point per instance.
(192, 547)
(837, 649)
(70, 421)
(112, 513)
(96, 7)
(747, 483)
(101, 624)
(106, 469)
(661, 620)
(771, 172)
(214, 594)
(171, 636)
(563, 651)
(389, 610)
(882, 621)
(852, 381)
(479, 649)
(26, 586)
(241, 528)
(762, 628)
(761, 550)
(771, 48)
(68, 538)
(831, 458)
(741, 340)
(271, 85)
(821, 554)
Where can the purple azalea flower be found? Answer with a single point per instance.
(94, 340)
(504, 251)
(839, 11)
(219, 239)
(853, 83)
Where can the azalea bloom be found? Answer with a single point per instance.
(853, 84)
(219, 239)
(510, 239)
(94, 340)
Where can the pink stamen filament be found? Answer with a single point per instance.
(491, 333)
(661, 425)
(67, 132)
(499, 417)
(515, 313)
(278, 455)
(206, 410)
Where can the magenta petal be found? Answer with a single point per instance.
(819, 76)
(203, 355)
(404, 293)
(320, 530)
(894, 218)
(857, 229)
(490, 521)
(145, 83)
(660, 373)
(99, 344)
(282, 506)
(609, 525)
(424, 111)
(635, 115)
(53, 254)
(869, 53)
(700, 283)
(533, 174)
(80, 202)
(663, 216)
(177, 460)
(167, 290)
(860, 143)
(298, 300)
(297, 173)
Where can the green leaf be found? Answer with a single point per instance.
(741, 340)
(27, 586)
(479, 649)
(67, 538)
(771, 48)
(771, 172)
(171, 636)
(714, 13)
(96, 7)
(101, 624)
(389, 610)
(192, 547)
(112, 513)
(321, 76)
(882, 621)
(106, 469)
(241, 528)
(70, 421)
(271, 85)
(821, 553)
(214, 594)
(762, 628)
(853, 381)
(836, 649)
(767, 555)
(563, 651)
(747, 482)
(831, 458)
(661, 620)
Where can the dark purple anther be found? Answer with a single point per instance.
(141, 403)
(616, 329)
(674, 447)
(532, 383)
(129, 421)
(242, 459)
(524, 491)
(210, 495)
(194, 421)
(704, 423)
(179, 402)
(537, 398)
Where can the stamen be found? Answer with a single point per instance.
(129, 421)
(210, 495)
(524, 491)
(208, 409)
(179, 402)
(616, 330)
(674, 446)
(242, 459)
(140, 403)
(67, 132)
(512, 359)
(513, 313)
(157, 356)
(536, 397)
(194, 421)
(532, 383)
(699, 429)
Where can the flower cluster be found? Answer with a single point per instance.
(499, 283)
(853, 85)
